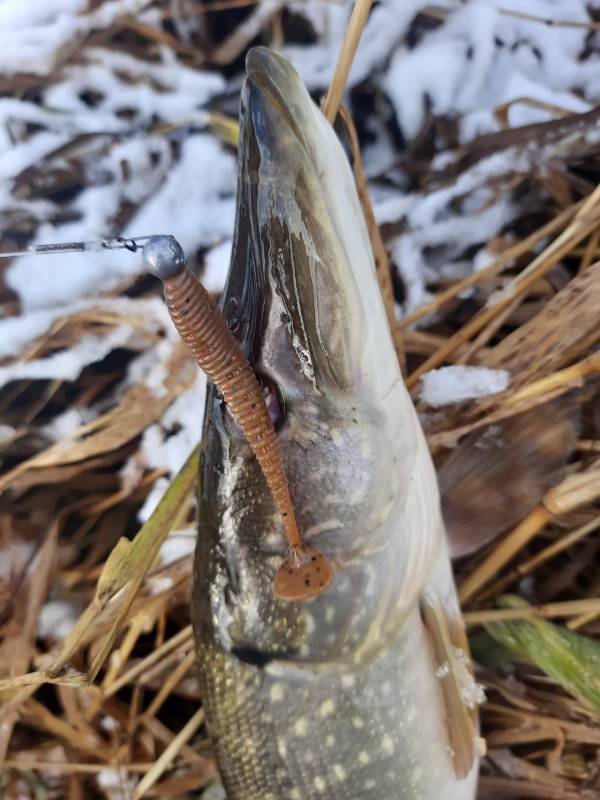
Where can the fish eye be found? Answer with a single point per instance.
(235, 322)
(273, 399)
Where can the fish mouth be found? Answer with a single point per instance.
(301, 274)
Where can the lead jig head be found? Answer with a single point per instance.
(305, 572)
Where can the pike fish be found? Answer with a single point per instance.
(363, 692)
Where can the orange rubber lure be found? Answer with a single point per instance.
(305, 571)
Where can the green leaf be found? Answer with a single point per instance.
(487, 651)
(571, 659)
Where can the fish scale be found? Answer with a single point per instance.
(297, 742)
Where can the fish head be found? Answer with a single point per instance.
(303, 300)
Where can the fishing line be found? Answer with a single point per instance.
(95, 245)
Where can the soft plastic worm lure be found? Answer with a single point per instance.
(305, 572)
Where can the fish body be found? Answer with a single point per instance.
(340, 696)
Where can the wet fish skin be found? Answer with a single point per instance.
(336, 697)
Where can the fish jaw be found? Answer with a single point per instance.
(311, 243)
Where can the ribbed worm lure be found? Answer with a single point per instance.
(305, 571)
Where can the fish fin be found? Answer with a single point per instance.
(451, 656)
(497, 475)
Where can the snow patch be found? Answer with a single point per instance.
(68, 364)
(448, 385)
(167, 445)
(216, 265)
(18, 332)
(179, 544)
(56, 620)
(118, 784)
(182, 424)
(154, 496)
(68, 422)
(481, 58)
(14, 557)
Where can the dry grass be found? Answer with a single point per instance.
(532, 311)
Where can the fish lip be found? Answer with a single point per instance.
(266, 74)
